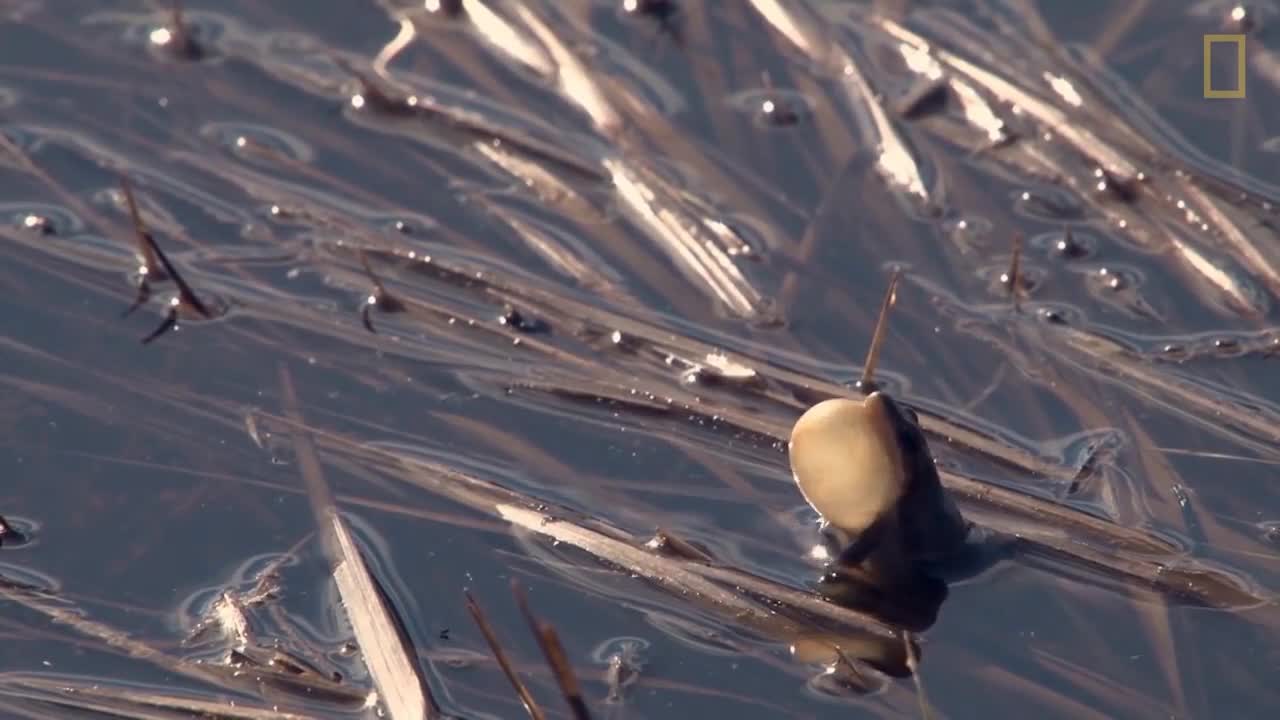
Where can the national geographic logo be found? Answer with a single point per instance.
(1223, 93)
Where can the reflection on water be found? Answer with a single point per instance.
(554, 280)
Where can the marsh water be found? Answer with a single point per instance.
(619, 253)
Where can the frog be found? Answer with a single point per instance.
(893, 535)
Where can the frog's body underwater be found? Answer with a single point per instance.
(865, 467)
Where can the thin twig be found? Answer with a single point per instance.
(877, 338)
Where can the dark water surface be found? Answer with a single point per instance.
(637, 279)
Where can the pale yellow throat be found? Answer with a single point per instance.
(846, 460)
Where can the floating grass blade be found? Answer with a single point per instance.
(60, 613)
(386, 651)
(378, 632)
(123, 701)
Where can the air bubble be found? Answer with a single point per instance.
(999, 281)
(1069, 245)
(967, 230)
(1226, 347)
(773, 107)
(1046, 205)
(447, 8)
(41, 218)
(15, 532)
(1052, 316)
(250, 141)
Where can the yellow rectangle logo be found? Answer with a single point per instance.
(1238, 91)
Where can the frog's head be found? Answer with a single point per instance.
(853, 459)
(865, 467)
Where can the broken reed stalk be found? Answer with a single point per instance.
(913, 664)
(380, 299)
(185, 294)
(149, 253)
(178, 27)
(384, 646)
(877, 337)
(145, 253)
(181, 43)
(849, 662)
(554, 653)
(146, 256)
(568, 682)
(7, 532)
(379, 291)
(1013, 276)
(374, 96)
(490, 637)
